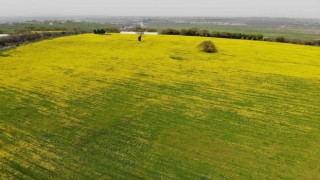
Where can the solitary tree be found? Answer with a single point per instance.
(281, 39)
(208, 46)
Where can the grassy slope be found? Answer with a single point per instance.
(107, 106)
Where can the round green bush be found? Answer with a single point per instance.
(208, 46)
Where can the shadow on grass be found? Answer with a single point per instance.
(177, 58)
(3, 55)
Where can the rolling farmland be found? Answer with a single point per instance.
(102, 107)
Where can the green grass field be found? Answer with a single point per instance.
(108, 107)
(298, 33)
(56, 26)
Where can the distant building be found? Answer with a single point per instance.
(142, 25)
(132, 32)
(128, 32)
(151, 33)
(4, 35)
(266, 39)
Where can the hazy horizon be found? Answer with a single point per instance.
(163, 8)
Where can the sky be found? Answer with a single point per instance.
(215, 8)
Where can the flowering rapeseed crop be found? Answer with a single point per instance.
(92, 106)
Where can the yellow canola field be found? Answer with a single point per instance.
(110, 106)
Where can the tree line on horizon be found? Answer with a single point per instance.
(117, 30)
(206, 33)
(228, 35)
(16, 40)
